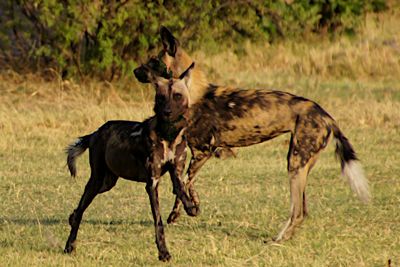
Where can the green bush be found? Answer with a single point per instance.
(106, 38)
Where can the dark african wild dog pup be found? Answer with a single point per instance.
(226, 117)
(140, 152)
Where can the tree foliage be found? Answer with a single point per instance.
(106, 38)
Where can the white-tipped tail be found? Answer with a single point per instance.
(357, 180)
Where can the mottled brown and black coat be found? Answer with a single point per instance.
(226, 117)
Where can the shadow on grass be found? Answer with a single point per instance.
(227, 229)
(56, 221)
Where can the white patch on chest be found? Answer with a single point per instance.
(169, 153)
(231, 104)
(170, 156)
(169, 149)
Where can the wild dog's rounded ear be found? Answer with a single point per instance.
(141, 74)
(186, 75)
(170, 43)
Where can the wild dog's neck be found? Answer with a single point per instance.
(199, 83)
(169, 130)
(198, 86)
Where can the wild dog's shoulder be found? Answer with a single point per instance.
(230, 97)
(222, 92)
(117, 127)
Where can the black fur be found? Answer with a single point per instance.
(344, 150)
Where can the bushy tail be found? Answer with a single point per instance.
(76, 149)
(351, 167)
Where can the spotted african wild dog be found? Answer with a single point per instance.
(139, 151)
(226, 117)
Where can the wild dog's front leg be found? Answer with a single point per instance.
(152, 191)
(197, 161)
(179, 188)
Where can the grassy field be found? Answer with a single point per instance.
(245, 200)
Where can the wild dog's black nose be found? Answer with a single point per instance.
(167, 112)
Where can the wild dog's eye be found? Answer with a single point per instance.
(177, 96)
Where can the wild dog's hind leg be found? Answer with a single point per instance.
(305, 145)
(99, 182)
(309, 166)
(297, 179)
(197, 161)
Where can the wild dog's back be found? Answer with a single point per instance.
(238, 117)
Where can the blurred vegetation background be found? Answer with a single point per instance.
(106, 39)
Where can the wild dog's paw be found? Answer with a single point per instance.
(70, 247)
(164, 256)
(193, 210)
(173, 217)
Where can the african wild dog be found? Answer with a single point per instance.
(140, 152)
(226, 117)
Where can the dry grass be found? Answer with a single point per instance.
(245, 200)
(373, 55)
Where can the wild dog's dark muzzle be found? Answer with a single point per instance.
(156, 65)
(141, 75)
